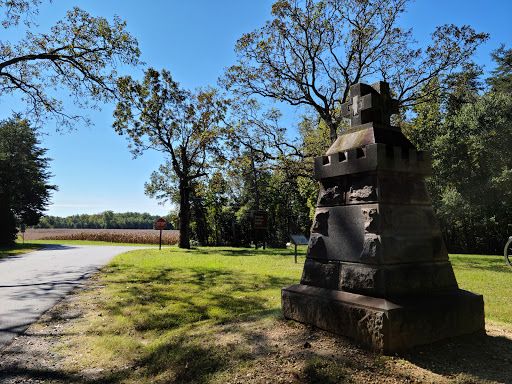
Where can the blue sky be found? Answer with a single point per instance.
(194, 40)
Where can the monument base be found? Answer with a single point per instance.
(386, 326)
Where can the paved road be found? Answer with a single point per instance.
(34, 282)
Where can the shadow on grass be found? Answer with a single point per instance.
(191, 363)
(487, 263)
(167, 298)
(325, 371)
(244, 252)
(18, 249)
(482, 356)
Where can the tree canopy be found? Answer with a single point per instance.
(501, 81)
(24, 188)
(469, 134)
(312, 51)
(157, 114)
(79, 55)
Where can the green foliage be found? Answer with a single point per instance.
(156, 113)
(80, 55)
(469, 134)
(24, 192)
(19, 9)
(312, 51)
(501, 81)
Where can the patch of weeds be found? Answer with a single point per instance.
(322, 371)
(189, 362)
(464, 378)
(380, 361)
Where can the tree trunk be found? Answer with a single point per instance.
(184, 215)
(8, 230)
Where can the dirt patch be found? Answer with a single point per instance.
(273, 351)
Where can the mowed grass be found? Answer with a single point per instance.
(490, 276)
(162, 311)
(18, 249)
(165, 316)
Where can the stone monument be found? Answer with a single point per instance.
(377, 269)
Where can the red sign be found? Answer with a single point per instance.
(161, 224)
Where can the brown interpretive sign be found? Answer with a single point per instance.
(260, 220)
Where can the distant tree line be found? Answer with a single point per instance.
(104, 220)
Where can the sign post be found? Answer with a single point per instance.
(161, 224)
(260, 225)
(298, 240)
(22, 230)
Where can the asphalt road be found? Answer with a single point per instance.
(34, 282)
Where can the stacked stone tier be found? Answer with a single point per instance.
(375, 232)
(373, 157)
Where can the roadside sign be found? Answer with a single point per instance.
(161, 223)
(298, 240)
(22, 230)
(260, 219)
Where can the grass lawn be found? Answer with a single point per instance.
(489, 276)
(164, 309)
(177, 316)
(212, 315)
(18, 249)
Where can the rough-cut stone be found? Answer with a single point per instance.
(324, 274)
(380, 281)
(376, 267)
(386, 326)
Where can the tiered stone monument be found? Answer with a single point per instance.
(377, 269)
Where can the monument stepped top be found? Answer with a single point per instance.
(369, 108)
(369, 104)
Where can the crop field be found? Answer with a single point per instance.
(138, 236)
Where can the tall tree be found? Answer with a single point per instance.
(501, 79)
(469, 134)
(156, 113)
(24, 188)
(314, 50)
(79, 55)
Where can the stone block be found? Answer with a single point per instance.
(391, 281)
(388, 281)
(382, 325)
(337, 234)
(402, 190)
(373, 157)
(324, 274)
(377, 234)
